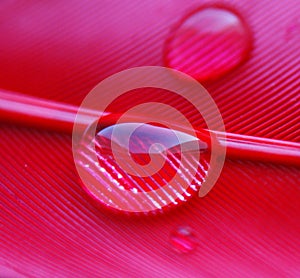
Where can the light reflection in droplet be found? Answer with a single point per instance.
(183, 240)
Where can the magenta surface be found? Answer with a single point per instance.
(248, 225)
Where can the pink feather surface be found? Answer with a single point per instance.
(248, 225)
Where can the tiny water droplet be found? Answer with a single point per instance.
(208, 43)
(183, 239)
(133, 158)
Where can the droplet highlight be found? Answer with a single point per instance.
(183, 240)
(208, 43)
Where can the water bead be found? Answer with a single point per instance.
(183, 240)
(208, 43)
(134, 158)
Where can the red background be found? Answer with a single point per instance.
(247, 226)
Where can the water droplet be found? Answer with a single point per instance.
(183, 240)
(141, 167)
(208, 43)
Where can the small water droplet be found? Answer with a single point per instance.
(183, 240)
(208, 43)
(138, 158)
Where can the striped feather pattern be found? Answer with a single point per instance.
(248, 226)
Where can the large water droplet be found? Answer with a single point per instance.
(183, 240)
(208, 43)
(141, 167)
